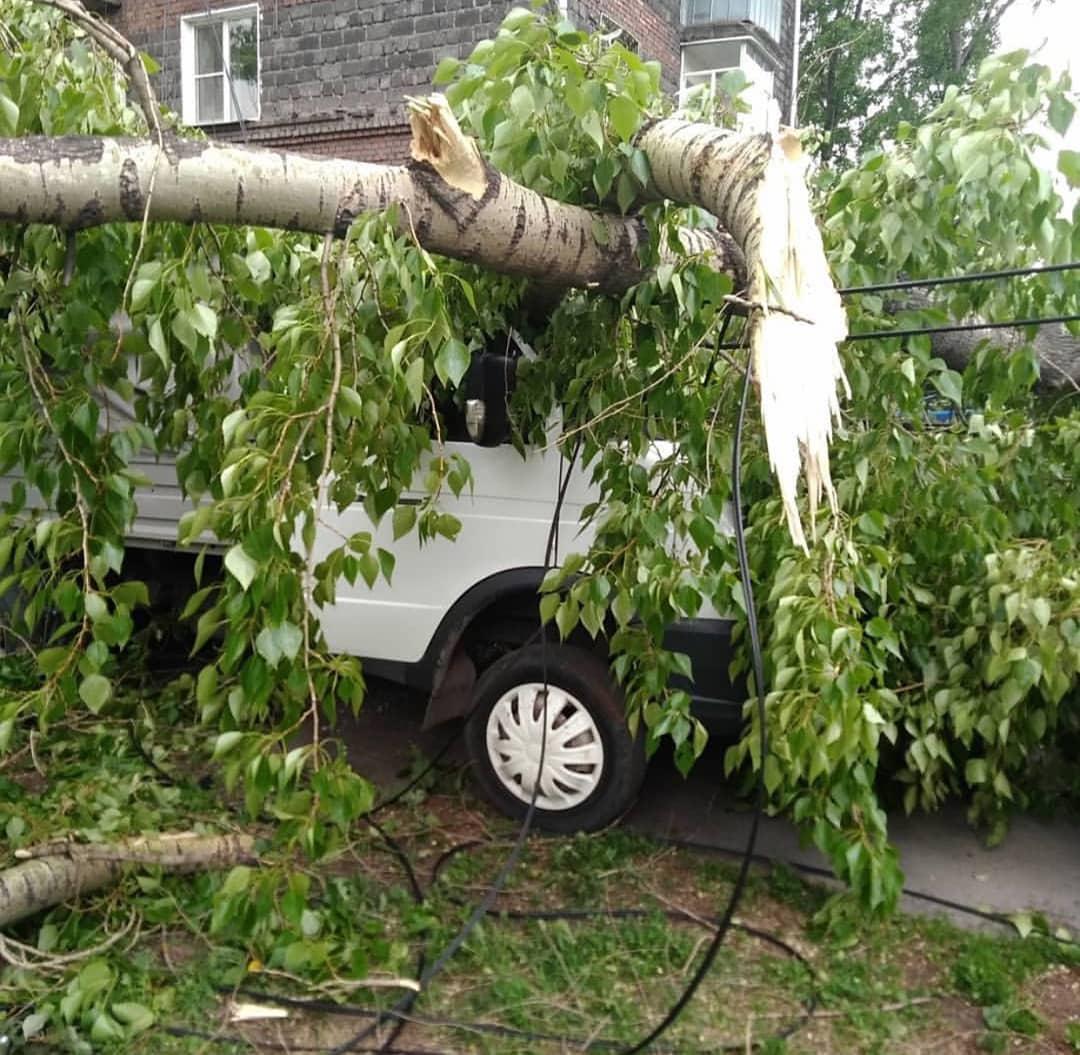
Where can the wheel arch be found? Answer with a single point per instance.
(446, 670)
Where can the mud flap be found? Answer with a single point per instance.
(453, 698)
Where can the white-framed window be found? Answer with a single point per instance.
(219, 65)
(705, 61)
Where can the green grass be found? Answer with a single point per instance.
(890, 986)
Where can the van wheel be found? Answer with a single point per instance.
(593, 768)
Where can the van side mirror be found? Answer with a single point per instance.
(488, 387)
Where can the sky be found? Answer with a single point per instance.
(1053, 31)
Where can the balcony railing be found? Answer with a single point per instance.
(765, 14)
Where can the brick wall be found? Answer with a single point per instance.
(334, 72)
(654, 24)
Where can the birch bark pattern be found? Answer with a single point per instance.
(55, 874)
(79, 182)
(454, 203)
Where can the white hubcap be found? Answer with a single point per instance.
(573, 750)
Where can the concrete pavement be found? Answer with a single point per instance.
(1036, 868)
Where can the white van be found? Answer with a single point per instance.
(460, 623)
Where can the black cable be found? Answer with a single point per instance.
(1002, 918)
(960, 327)
(428, 973)
(963, 327)
(420, 777)
(724, 324)
(759, 690)
(951, 280)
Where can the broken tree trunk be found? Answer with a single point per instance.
(482, 217)
(58, 872)
(1057, 352)
(453, 202)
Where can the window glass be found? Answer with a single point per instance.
(244, 65)
(210, 98)
(209, 48)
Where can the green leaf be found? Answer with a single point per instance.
(591, 126)
(625, 192)
(448, 526)
(1069, 166)
(444, 72)
(136, 1017)
(105, 1029)
(566, 617)
(258, 265)
(1061, 113)
(349, 401)
(624, 115)
(310, 923)
(226, 742)
(522, 104)
(872, 714)
(206, 685)
(414, 381)
(237, 881)
(96, 607)
(204, 320)
(951, 385)
(773, 774)
(975, 771)
(639, 165)
(403, 520)
(9, 114)
(33, 1024)
(158, 344)
(623, 608)
(95, 691)
(452, 362)
(242, 567)
(50, 660)
(1040, 609)
(549, 603)
(140, 292)
(275, 643)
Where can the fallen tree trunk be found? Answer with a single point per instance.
(59, 872)
(1057, 352)
(455, 203)
(481, 217)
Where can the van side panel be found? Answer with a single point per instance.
(505, 523)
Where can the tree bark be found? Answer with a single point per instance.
(456, 204)
(478, 216)
(1057, 351)
(53, 874)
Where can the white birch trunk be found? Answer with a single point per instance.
(51, 875)
(456, 204)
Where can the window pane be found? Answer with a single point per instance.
(244, 65)
(210, 98)
(208, 48)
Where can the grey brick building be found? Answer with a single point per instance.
(329, 75)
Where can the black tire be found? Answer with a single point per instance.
(586, 678)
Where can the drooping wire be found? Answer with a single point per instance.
(428, 972)
(739, 888)
(952, 280)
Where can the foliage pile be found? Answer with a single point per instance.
(931, 637)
